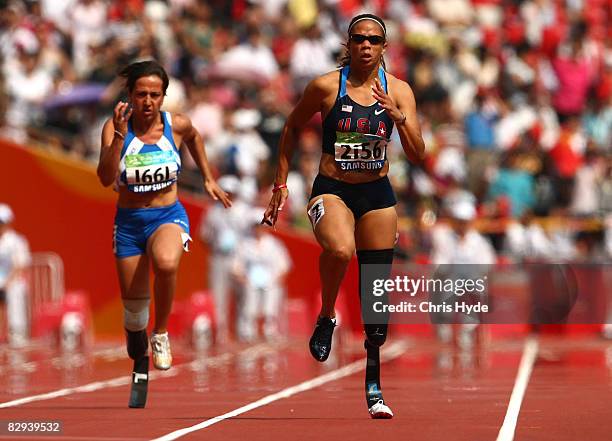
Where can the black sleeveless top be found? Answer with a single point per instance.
(357, 135)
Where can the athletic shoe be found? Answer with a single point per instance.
(380, 411)
(321, 340)
(160, 347)
(137, 343)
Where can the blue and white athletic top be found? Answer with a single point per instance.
(149, 167)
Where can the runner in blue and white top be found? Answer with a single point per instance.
(149, 167)
(140, 154)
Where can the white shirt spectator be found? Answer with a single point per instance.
(450, 12)
(27, 91)
(537, 15)
(261, 263)
(514, 124)
(14, 255)
(451, 162)
(225, 228)
(58, 11)
(528, 241)
(224, 231)
(263, 260)
(249, 59)
(89, 27)
(310, 58)
(242, 142)
(585, 198)
(449, 248)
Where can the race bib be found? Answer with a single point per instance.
(150, 171)
(360, 151)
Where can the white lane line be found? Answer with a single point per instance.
(197, 364)
(530, 352)
(17, 359)
(392, 351)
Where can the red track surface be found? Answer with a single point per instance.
(436, 392)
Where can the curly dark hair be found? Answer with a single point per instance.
(143, 69)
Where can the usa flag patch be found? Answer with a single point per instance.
(347, 108)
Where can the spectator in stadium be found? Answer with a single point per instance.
(14, 258)
(461, 251)
(27, 84)
(352, 203)
(261, 263)
(224, 231)
(140, 155)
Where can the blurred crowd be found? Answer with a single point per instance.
(514, 99)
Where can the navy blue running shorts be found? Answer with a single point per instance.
(359, 198)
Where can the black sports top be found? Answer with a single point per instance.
(357, 135)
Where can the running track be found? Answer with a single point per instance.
(541, 389)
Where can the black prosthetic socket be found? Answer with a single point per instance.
(137, 343)
(374, 265)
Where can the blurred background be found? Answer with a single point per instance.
(514, 99)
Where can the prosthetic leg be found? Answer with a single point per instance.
(136, 318)
(374, 265)
(376, 405)
(140, 382)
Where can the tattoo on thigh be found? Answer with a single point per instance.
(316, 212)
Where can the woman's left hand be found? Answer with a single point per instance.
(217, 193)
(386, 102)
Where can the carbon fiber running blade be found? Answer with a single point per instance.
(140, 382)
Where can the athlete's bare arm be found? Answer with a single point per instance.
(319, 96)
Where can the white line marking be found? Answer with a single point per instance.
(197, 364)
(18, 359)
(392, 351)
(530, 352)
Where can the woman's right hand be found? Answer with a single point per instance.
(121, 116)
(277, 202)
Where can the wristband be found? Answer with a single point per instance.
(118, 133)
(278, 187)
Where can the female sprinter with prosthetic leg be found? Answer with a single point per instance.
(352, 202)
(140, 155)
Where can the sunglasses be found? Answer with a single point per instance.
(373, 39)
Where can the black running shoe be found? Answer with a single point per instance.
(321, 340)
(137, 343)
